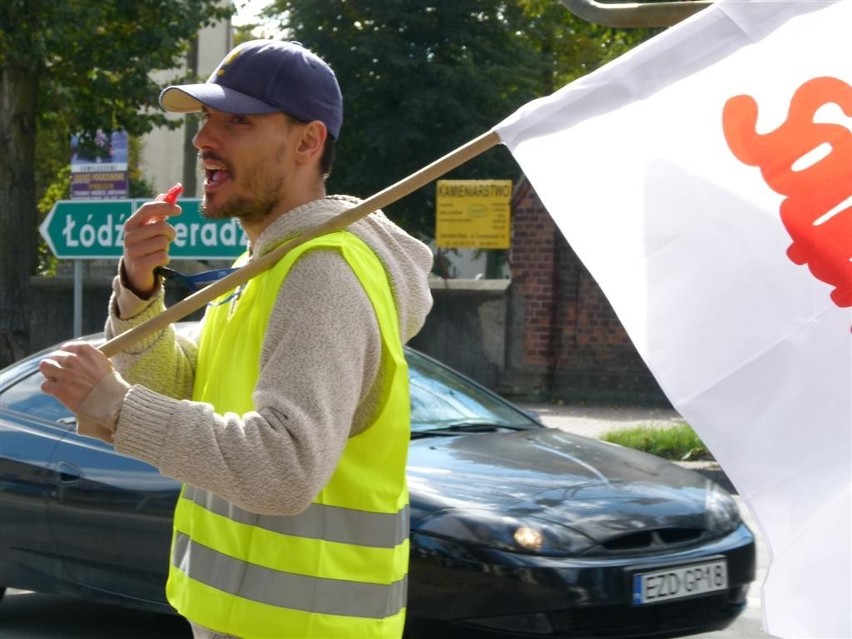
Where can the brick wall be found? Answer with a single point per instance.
(534, 259)
(573, 346)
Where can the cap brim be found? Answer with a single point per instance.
(192, 97)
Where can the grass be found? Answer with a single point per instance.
(678, 442)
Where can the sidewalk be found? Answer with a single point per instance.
(594, 421)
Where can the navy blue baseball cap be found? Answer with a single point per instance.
(266, 76)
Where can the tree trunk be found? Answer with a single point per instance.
(18, 213)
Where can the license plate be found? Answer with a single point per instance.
(677, 582)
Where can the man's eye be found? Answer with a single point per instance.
(239, 119)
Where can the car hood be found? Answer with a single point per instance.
(600, 489)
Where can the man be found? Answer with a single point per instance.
(287, 420)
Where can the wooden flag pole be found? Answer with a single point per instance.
(380, 200)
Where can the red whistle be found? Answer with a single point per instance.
(169, 197)
(173, 193)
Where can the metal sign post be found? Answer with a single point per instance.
(78, 298)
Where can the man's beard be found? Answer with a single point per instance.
(250, 210)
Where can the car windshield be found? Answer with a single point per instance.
(442, 399)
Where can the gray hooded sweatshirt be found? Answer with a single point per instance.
(319, 372)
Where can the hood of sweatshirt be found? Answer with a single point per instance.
(407, 260)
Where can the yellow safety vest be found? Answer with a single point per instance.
(339, 569)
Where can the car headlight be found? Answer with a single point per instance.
(515, 534)
(721, 512)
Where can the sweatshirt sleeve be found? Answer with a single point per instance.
(164, 361)
(319, 362)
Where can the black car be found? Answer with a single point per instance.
(517, 530)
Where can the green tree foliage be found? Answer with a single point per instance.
(569, 47)
(72, 66)
(420, 79)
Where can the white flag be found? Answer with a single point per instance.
(705, 180)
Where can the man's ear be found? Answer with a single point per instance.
(312, 141)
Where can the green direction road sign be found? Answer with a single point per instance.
(94, 229)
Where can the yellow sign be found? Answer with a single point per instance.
(473, 214)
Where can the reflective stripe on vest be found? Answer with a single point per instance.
(276, 588)
(339, 569)
(333, 523)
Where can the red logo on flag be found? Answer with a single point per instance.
(811, 164)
